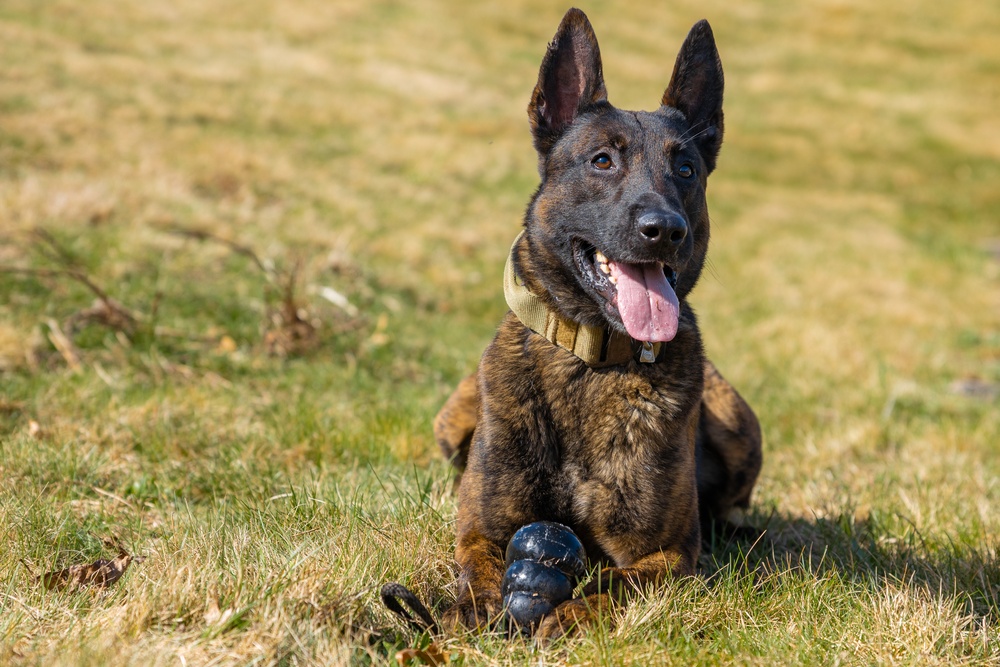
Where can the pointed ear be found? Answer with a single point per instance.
(569, 81)
(696, 90)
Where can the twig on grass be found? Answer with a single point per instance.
(105, 309)
(51, 248)
(75, 274)
(238, 248)
(292, 332)
(64, 345)
(289, 328)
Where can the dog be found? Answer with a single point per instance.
(594, 405)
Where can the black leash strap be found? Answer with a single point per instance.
(392, 593)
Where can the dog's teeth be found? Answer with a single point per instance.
(602, 262)
(614, 281)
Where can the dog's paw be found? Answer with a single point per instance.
(569, 618)
(472, 613)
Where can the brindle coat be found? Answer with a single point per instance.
(624, 455)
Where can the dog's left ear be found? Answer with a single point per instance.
(569, 81)
(696, 90)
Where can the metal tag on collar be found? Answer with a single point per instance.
(649, 352)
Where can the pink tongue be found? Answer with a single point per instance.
(646, 301)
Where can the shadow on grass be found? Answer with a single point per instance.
(872, 552)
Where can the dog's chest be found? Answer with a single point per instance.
(619, 417)
(622, 449)
(608, 451)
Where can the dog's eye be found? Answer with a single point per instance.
(602, 162)
(685, 170)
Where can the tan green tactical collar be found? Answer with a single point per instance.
(596, 346)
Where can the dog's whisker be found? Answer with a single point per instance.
(688, 136)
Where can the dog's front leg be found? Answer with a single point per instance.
(614, 585)
(478, 602)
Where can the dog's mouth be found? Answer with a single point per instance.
(640, 294)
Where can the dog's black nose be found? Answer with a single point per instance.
(663, 227)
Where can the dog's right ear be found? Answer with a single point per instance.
(569, 81)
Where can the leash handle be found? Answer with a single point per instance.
(392, 593)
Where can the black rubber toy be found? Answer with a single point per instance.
(528, 576)
(544, 561)
(550, 543)
(525, 610)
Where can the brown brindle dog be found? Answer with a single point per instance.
(594, 406)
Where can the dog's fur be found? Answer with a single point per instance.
(628, 456)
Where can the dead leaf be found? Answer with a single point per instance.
(432, 655)
(214, 616)
(101, 573)
(226, 345)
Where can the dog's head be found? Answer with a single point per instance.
(618, 229)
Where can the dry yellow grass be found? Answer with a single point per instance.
(853, 297)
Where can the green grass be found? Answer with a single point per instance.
(382, 148)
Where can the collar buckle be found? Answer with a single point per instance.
(649, 352)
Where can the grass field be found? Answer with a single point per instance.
(224, 174)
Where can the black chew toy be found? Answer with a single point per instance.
(544, 561)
